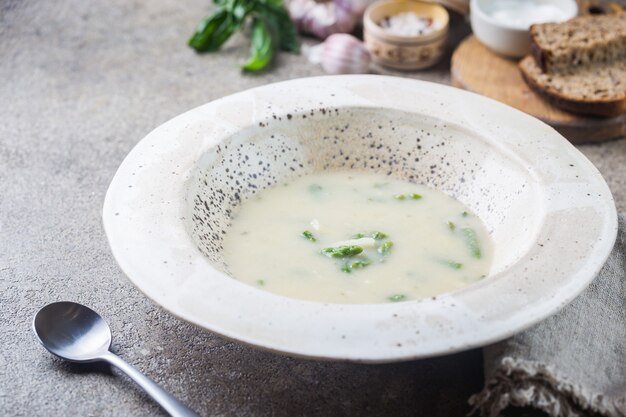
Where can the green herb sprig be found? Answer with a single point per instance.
(271, 29)
(397, 297)
(308, 235)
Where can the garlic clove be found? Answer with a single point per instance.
(322, 19)
(354, 7)
(346, 20)
(319, 21)
(344, 54)
(299, 8)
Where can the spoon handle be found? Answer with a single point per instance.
(170, 404)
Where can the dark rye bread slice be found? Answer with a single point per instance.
(580, 41)
(591, 90)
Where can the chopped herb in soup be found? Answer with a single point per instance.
(350, 237)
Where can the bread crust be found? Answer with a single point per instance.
(584, 40)
(609, 107)
(538, 54)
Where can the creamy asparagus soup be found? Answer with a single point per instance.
(350, 237)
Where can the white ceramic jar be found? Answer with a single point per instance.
(503, 25)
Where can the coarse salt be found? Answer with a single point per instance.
(409, 24)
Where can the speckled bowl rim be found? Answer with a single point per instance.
(149, 188)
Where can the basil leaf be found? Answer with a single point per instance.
(281, 25)
(287, 33)
(213, 31)
(277, 3)
(240, 9)
(272, 29)
(262, 47)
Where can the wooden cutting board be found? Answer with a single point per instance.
(476, 68)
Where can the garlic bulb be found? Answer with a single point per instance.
(341, 54)
(354, 7)
(298, 9)
(324, 19)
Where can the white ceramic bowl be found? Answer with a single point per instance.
(509, 39)
(550, 213)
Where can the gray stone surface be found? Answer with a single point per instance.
(82, 83)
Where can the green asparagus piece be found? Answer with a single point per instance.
(452, 264)
(379, 235)
(342, 251)
(360, 264)
(471, 240)
(385, 247)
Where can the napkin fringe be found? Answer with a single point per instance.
(522, 383)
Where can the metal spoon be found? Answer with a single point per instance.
(76, 333)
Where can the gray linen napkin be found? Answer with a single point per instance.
(571, 364)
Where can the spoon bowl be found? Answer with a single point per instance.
(72, 331)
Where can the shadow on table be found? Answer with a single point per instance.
(217, 377)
